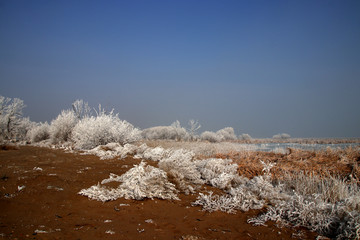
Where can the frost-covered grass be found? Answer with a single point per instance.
(204, 148)
(328, 205)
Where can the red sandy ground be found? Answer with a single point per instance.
(49, 202)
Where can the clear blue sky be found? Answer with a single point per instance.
(261, 67)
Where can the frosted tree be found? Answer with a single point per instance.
(194, 125)
(81, 109)
(62, 126)
(226, 134)
(10, 116)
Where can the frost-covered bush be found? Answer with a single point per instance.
(226, 134)
(154, 154)
(181, 168)
(281, 136)
(243, 194)
(103, 129)
(245, 137)
(61, 127)
(173, 132)
(210, 136)
(23, 127)
(141, 181)
(39, 133)
(217, 172)
(112, 150)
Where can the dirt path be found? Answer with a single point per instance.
(39, 200)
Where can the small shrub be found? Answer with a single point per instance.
(226, 134)
(245, 137)
(173, 132)
(210, 136)
(39, 133)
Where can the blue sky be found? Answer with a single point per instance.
(261, 67)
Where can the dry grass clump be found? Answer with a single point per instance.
(343, 162)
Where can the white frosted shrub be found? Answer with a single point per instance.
(165, 132)
(103, 129)
(210, 136)
(112, 150)
(23, 127)
(245, 137)
(212, 203)
(141, 181)
(240, 198)
(181, 168)
(62, 126)
(39, 133)
(244, 195)
(154, 154)
(217, 172)
(226, 134)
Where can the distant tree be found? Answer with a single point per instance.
(281, 136)
(176, 124)
(193, 127)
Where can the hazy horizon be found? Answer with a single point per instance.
(261, 67)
